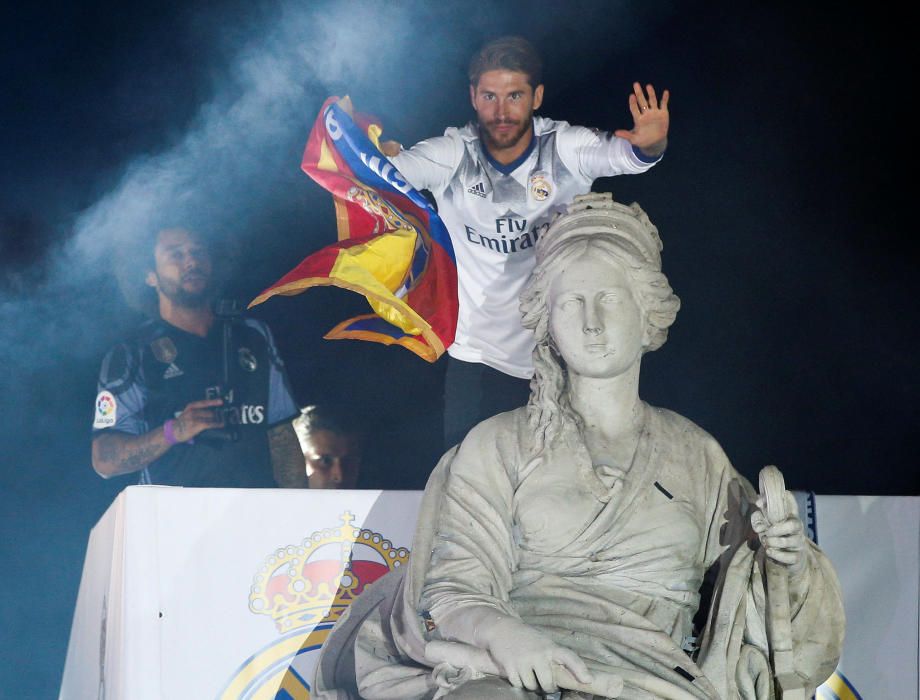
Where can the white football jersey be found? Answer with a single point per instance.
(495, 213)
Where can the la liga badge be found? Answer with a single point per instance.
(106, 410)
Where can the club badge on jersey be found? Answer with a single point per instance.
(540, 186)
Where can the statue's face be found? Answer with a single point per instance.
(595, 321)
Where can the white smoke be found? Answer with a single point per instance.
(232, 170)
(219, 172)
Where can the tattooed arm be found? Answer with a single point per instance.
(116, 453)
(288, 462)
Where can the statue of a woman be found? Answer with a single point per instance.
(589, 541)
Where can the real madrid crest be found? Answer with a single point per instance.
(540, 186)
(305, 588)
(247, 360)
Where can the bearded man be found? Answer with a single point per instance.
(191, 398)
(498, 183)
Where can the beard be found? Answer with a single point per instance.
(180, 296)
(497, 140)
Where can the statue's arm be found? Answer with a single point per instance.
(472, 549)
(815, 605)
(818, 620)
(740, 603)
(465, 595)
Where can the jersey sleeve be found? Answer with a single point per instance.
(430, 164)
(597, 154)
(121, 394)
(281, 404)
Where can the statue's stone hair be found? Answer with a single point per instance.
(513, 53)
(548, 406)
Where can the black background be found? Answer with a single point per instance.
(782, 202)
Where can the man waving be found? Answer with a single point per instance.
(498, 183)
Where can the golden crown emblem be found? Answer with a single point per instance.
(315, 581)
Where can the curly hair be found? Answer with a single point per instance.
(549, 407)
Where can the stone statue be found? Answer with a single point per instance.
(590, 545)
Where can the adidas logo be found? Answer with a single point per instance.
(172, 371)
(478, 190)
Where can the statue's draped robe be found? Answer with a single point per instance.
(604, 560)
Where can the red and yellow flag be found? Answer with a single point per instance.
(393, 247)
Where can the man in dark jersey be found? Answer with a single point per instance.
(193, 399)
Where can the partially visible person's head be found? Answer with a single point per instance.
(182, 271)
(332, 448)
(508, 53)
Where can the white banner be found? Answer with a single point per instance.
(229, 593)
(183, 592)
(874, 543)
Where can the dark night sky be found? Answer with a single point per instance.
(781, 203)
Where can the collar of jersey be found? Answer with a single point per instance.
(513, 165)
(158, 327)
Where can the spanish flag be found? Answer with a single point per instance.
(393, 247)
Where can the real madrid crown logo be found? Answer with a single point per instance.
(316, 580)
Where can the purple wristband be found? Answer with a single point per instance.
(168, 433)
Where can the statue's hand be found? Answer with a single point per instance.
(783, 541)
(526, 657)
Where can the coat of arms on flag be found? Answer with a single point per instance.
(392, 246)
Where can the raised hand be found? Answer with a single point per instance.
(650, 120)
